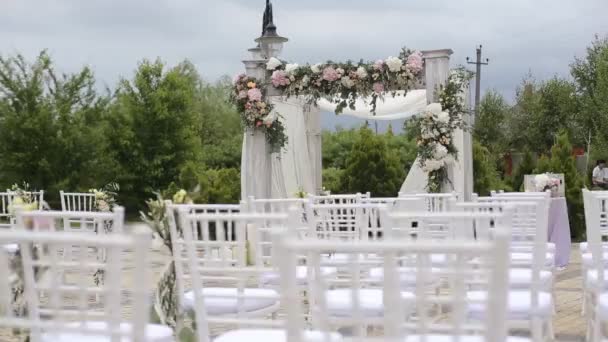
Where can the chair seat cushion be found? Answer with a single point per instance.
(272, 335)
(519, 304)
(154, 333)
(11, 248)
(274, 278)
(462, 338)
(407, 276)
(587, 260)
(371, 301)
(522, 277)
(224, 301)
(522, 258)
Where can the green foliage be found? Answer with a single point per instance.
(51, 127)
(370, 167)
(332, 180)
(489, 127)
(525, 168)
(337, 146)
(153, 128)
(220, 186)
(486, 176)
(562, 161)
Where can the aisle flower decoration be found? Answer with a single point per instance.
(165, 303)
(23, 198)
(436, 148)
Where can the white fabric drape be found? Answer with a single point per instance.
(388, 108)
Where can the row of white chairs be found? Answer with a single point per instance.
(344, 282)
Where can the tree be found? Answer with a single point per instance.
(154, 129)
(562, 161)
(220, 126)
(51, 127)
(489, 124)
(525, 168)
(590, 74)
(370, 167)
(486, 177)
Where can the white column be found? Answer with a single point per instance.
(256, 170)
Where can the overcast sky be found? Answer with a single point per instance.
(111, 36)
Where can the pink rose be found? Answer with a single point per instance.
(258, 124)
(378, 87)
(237, 78)
(254, 94)
(330, 74)
(414, 62)
(242, 95)
(279, 78)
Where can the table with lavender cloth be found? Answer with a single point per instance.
(559, 230)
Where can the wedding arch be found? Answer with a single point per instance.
(280, 105)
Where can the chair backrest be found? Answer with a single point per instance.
(66, 308)
(394, 255)
(344, 221)
(435, 202)
(226, 257)
(74, 221)
(338, 199)
(5, 216)
(77, 201)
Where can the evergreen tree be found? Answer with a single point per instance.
(486, 177)
(370, 167)
(562, 161)
(525, 168)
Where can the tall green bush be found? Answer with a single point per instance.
(486, 177)
(370, 167)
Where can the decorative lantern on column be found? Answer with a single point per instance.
(271, 44)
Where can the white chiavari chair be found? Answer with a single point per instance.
(352, 302)
(595, 285)
(232, 288)
(435, 202)
(519, 277)
(5, 215)
(37, 196)
(64, 313)
(77, 201)
(595, 255)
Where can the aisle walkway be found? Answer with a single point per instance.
(569, 324)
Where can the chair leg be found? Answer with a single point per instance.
(550, 331)
(536, 330)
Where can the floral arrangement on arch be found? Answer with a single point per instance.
(256, 113)
(436, 148)
(341, 83)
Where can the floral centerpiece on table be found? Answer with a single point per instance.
(436, 148)
(256, 112)
(544, 182)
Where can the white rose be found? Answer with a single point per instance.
(361, 72)
(340, 71)
(316, 68)
(273, 63)
(440, 151)
(443, 117)
(347, 82)
(434, 108)
(436, 133)
(394, 64)
(289, 68)
(270, 118)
